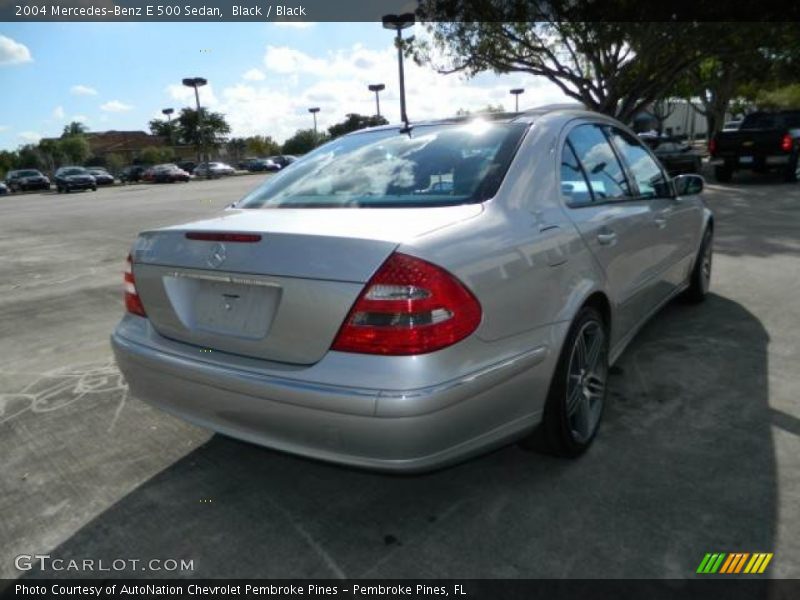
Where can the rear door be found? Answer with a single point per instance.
(615, 224)
(676, 222)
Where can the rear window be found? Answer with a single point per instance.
(771, 121)
(433, 165)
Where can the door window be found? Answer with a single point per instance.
(649, 176)
(607, 179)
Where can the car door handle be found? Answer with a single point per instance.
(606, 239)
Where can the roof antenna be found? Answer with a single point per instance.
(398, 23)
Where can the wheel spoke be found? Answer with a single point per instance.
(573, 399)
(583, 418)
(580, 352)
(595, 347)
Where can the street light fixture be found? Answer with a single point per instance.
(517, 92)
(168, 112)
(398, 23)
(377, 88)
(314, 112)
(196, 82)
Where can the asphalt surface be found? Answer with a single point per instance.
(699, 450)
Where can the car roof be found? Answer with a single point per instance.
(570, 110)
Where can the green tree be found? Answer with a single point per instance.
(618, 68)
(236, 148)
(785, 97)
(354, 122)
(30, 157)
(74, 149)
(52, 153)
(74, 128)
(304, 140)
(8, 161)
(154, 154)
(115, 162)
(261, 145)
(209, 135)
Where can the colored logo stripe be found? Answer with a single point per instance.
(734, 562)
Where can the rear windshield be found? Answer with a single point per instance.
(771, 120)
(433, 165)
(28, 173)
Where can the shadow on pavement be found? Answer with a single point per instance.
(683, 465)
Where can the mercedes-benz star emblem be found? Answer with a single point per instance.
(217, 256)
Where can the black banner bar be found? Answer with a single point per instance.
(712, 587)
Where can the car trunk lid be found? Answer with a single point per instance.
(282, 290)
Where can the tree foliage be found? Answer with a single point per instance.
(261, 145)
(74, 128)
(155, 154)
(786, 97)
(210, 132)
(618, 68)
(304, 140)
(354, 122)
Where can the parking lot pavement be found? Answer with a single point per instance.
(699, 449)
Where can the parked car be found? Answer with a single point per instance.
(359, 315)
(101, 176)
(166, 173)
(132, 173)
(3, 188)
(187, 165)
(213, 169)
(23, 180)
(263, 164)
(74, 178)
(284, 160)
(676, 155)
(766, 141)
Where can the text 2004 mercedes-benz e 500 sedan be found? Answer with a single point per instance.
(402, 299)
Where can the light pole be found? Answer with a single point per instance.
(196, 82)
(314, 112)
(517, 92)
(168, 112)
(398, 23)
(377, 88)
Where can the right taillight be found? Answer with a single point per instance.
(712, 147)
(787, 143)
(133, 304)
(410, 306)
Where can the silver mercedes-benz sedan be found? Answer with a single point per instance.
(402, 299)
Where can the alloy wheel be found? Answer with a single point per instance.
(586, 381)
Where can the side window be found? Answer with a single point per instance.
(574, 187)
(606, 177)
(648, 174)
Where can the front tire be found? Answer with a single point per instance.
(700, 280)
(578, 389)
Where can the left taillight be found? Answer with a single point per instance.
(133, 304)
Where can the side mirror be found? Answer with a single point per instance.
(688, 185)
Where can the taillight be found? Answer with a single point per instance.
(410, 306)
(712, 147)
(787, 143)
(133, 304)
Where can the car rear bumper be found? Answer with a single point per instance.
(733, 161)
(415, 430)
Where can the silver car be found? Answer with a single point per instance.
(401, 300)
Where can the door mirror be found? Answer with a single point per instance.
(688, 185)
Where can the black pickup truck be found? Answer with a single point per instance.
(765, 141)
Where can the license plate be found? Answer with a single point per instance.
(745, 160)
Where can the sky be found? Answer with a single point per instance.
(263, 76)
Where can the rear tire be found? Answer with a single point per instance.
(723, 174)
(700, 280)
(577, 394)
